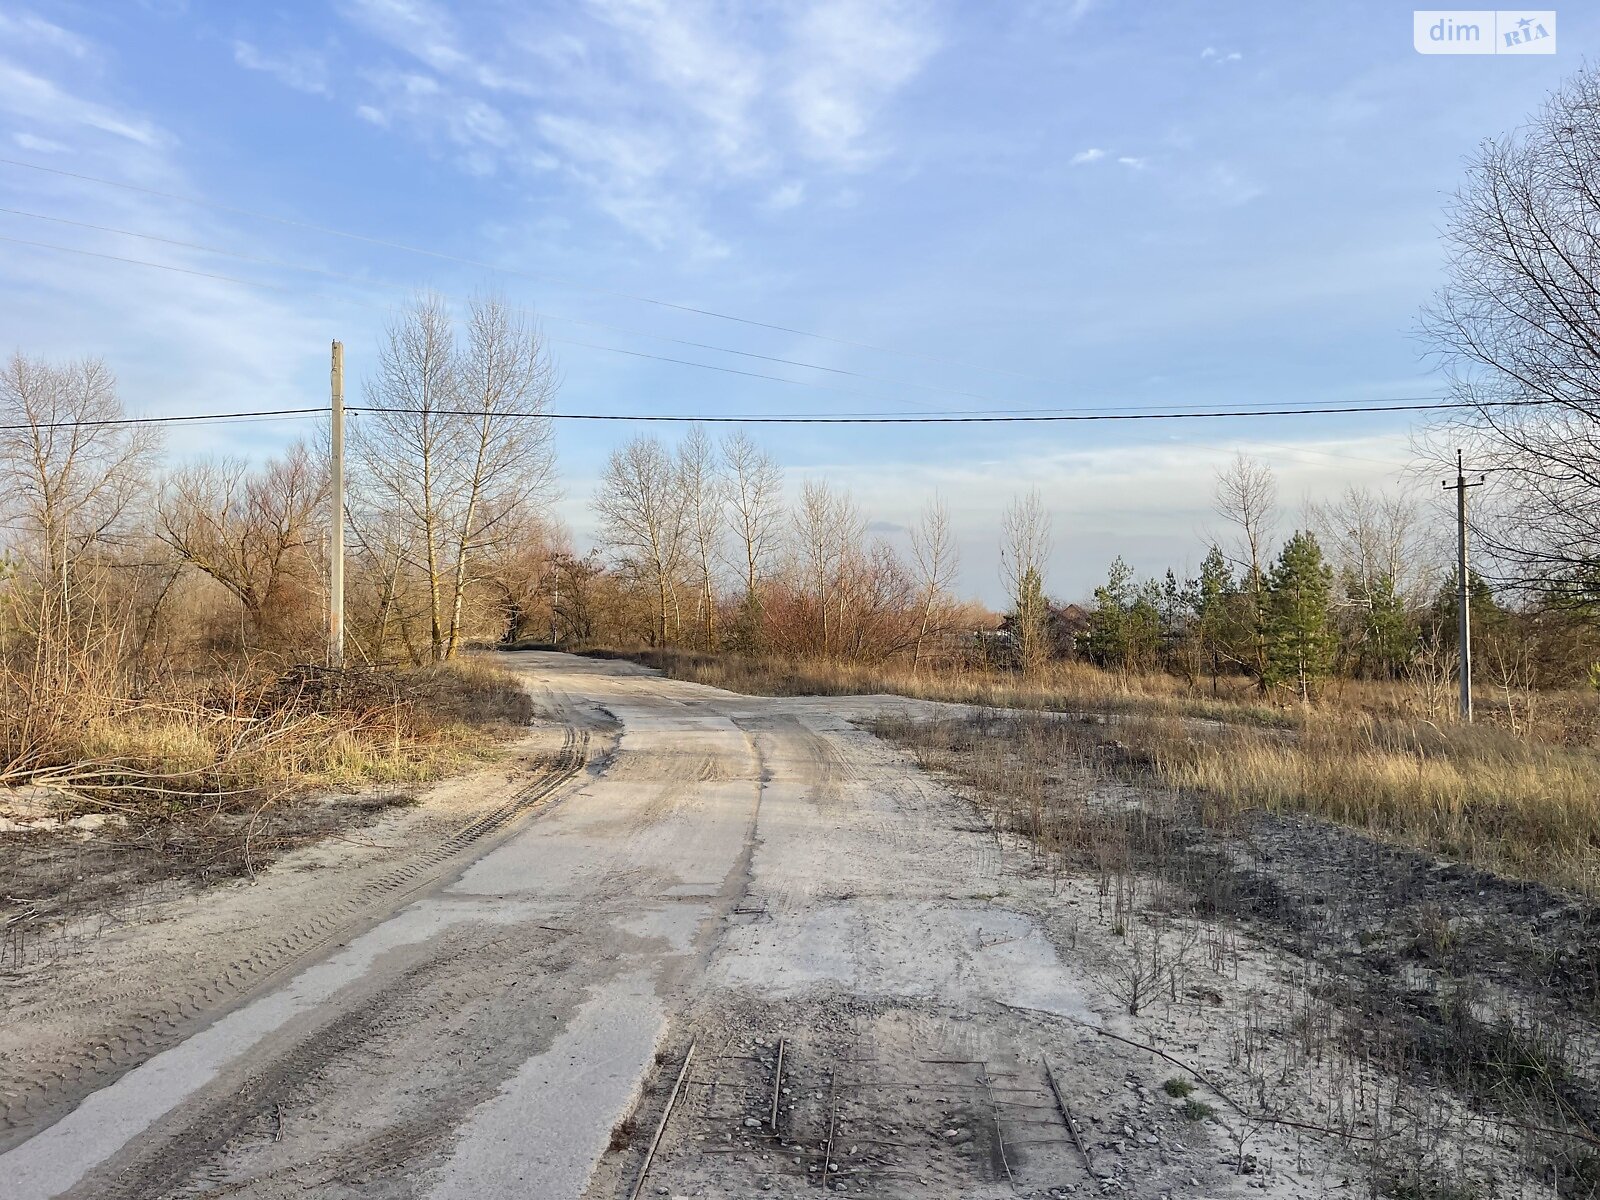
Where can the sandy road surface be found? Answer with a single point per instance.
(745, 876)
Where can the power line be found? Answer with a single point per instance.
(486, 266)
(682, 362)
(944, 418)
(188, 418)
(763, 419)
(543, 315)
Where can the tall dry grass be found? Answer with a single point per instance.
(79, 730)
(1474, 794)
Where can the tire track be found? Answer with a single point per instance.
(38, 1092)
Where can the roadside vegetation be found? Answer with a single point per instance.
(165, 671)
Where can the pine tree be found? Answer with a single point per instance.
(1300, 641)
(1108, 640)
(1217, 613)
(1390, 635)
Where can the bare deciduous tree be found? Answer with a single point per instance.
(68, 480)
(1370, 535)
(1247, 497)
(254, 530)
(1517, 327)
(644, 524)
(506, 381)
(704, 504)
(828, 530)
(933, 551)
(1024, 554)
(458, 450)
(755, 517)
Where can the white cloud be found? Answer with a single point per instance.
(1212, 54)
(40, 145)
(25, 94)
(1092, 154)
(850, 56)
(1133, 162)
(684, 50)
(655, 107)
(302, 70)
(25, 29)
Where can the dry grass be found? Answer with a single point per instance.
(212, 746)
(1561, 717)
(1477, 795)
(1370, 755)
(1062, 687)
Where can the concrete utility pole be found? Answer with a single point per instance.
(1462, 595)
(336, 500)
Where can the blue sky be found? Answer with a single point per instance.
(1083, 204)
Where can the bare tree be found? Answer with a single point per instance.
(755, 517)
(704, 504)
(405, 450)
(933, 552)
(644, 524)
(1024, 554)
(70, 478)
(454, 448)
(1247, 497)
(1517, 327)
(505, 380)
(829, 529)
(255, 531)
(1371, 535)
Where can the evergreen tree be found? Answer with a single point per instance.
(1217, 615)
(1300, 641)
(1389, 634)
(1108, 640)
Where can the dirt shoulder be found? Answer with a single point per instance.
(1442, 1021)
(113, 955)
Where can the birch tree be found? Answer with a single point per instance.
(643, 523)
(933, 553)
(704, 503)
(454, 448)
(755, 520)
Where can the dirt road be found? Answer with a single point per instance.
(870, 982)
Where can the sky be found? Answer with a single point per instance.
(1089, 204)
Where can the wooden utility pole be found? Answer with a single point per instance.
(1463, 614)
(336, 500)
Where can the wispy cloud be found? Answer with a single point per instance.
(1212, 54)
(1134, 162)
(848, 58)
(302, 70)
(25, 29)
(1091, 155)
(659, 108)
(42, 102)
(40, 145)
